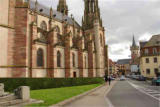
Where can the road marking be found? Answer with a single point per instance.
(141, 89)
(157, 95)
(153, 93)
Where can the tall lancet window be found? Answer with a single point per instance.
(43, 25)
(85, 62)
(73, 59)
(40, 58)
(58, 59)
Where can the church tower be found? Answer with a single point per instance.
(62, 7)
(92, 24)
(134, 50)
(91, 13)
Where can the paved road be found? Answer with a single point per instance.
(134, 94)
(145, 84)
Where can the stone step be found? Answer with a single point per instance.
(7, 98)
(11, 102)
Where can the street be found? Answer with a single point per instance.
(128, 93)
(132, 93)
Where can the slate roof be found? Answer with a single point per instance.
(154, 41)
(58, 16)
(142, 44)
(123, 61)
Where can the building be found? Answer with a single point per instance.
(150, 57)
(124, 66)
(113, 68)
(107, 61)
(37, 41)
(134, 64)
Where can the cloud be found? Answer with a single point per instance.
(122, 19)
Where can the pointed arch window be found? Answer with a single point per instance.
(43, 25)
(85, 61)
(57, 29)
(40, 58)
(73, 59)
(58, 59)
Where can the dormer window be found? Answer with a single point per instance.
(54, 15)
(41, 10)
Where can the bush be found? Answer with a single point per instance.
(45, 83)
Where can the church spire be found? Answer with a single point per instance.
(133, 42)
(62, 7)
(91, 13)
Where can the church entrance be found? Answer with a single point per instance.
(74, 74)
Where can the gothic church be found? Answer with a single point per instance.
(37, 41)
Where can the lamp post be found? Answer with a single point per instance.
(158, 71)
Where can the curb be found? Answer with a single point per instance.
(67, 101)
(109, 89)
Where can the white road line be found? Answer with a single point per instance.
(136, 86)
(109, 102)
(157, 95)
(153, 92)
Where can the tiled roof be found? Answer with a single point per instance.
(57, 15)
(123, 61)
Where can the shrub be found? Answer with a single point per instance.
(45, 83)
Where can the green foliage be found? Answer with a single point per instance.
(53, 96)
(46, 83)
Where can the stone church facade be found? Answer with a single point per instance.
(37, 41)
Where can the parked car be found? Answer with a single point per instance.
(122, 78)
(141, 78)
(134, 76)
(137, 77)
(128, 76)
(112, 78)
(156, 81)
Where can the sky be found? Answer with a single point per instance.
(122, 19)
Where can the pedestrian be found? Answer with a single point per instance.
(106, 78)
(109, 80)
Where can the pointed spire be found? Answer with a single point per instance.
(51, 12)
(36, 5)
(29, 2)
(133, 42)
(62, 7)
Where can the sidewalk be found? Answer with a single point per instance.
(94, 99)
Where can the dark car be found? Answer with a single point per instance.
(156, 81)
(141, 78)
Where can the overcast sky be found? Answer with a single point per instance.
(122, 19)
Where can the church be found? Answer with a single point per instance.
(39, 42)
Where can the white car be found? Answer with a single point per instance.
(122, 78)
